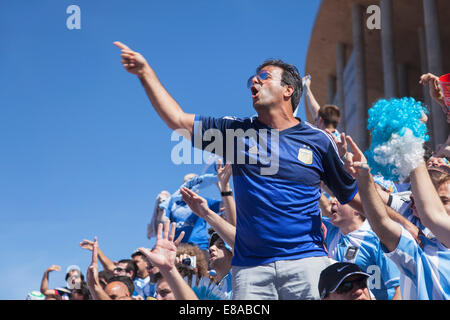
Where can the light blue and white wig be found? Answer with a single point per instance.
(398, 135)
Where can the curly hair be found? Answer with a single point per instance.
(202, 265)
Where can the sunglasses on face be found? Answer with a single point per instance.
(261, 76)
(348, 286)
(118, 270)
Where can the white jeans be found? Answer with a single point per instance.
(280, 280)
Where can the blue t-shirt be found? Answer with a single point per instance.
(195, 228)
(363, 248)
(276, 177)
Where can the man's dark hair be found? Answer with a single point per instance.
(84, 291)
(138, 253)
(290, 77)
(158, 276)
(125, 280)
(331, 115)
(131, 266)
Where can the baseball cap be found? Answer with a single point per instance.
(214, 237)
(332, 277)
(35, 295)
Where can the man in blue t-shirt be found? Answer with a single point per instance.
(278, 163)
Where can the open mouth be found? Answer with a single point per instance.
(333, 213)
(255, 91)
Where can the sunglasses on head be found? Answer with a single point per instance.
(348, 286)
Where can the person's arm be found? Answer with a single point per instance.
(200, 207)
(325, 206)
(387, 230)
(356, 203)
(106, 262)
(164, 256)
(397, 294)
(429, 206)
(313, 105)
(92, 279)
(435, 89)
(44, 283)
(223, 175)
(166, 107)
(159, 215)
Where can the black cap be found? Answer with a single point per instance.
(332, 277)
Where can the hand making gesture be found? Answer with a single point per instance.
(164, 254)
(133, 61)
(223, 176)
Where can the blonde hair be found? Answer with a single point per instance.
(438, 176)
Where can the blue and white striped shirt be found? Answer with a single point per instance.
(363, 248)
(424, 273)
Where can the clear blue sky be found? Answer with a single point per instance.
(83, 153)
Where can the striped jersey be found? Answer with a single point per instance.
(424, 273)
(401, 203)
(363, 248)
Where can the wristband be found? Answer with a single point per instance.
(226, 193)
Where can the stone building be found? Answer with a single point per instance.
(355, 60)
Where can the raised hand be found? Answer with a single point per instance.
(356, 162)
(87, 244)
(223, 175)
(53, 268)
(92, 274)
(164, 254)
(307, 81)
(341, 145)
(133, 61)
(197, 204)
(435, 89)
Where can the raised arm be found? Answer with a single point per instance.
(435, 89)
(164, 255)
(223, 175)
(356, 203)
(44, 283)
(159, 215)
(200, 207)
(106, 262)
(166, 107)
(313, 105)
(429, 206)
(374, 209)
(92, 279)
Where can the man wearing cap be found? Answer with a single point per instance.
(344, 281)
(74, 279)
(220, 256)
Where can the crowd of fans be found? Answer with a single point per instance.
(394, 246)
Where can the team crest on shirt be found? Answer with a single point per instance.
(305, 155)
